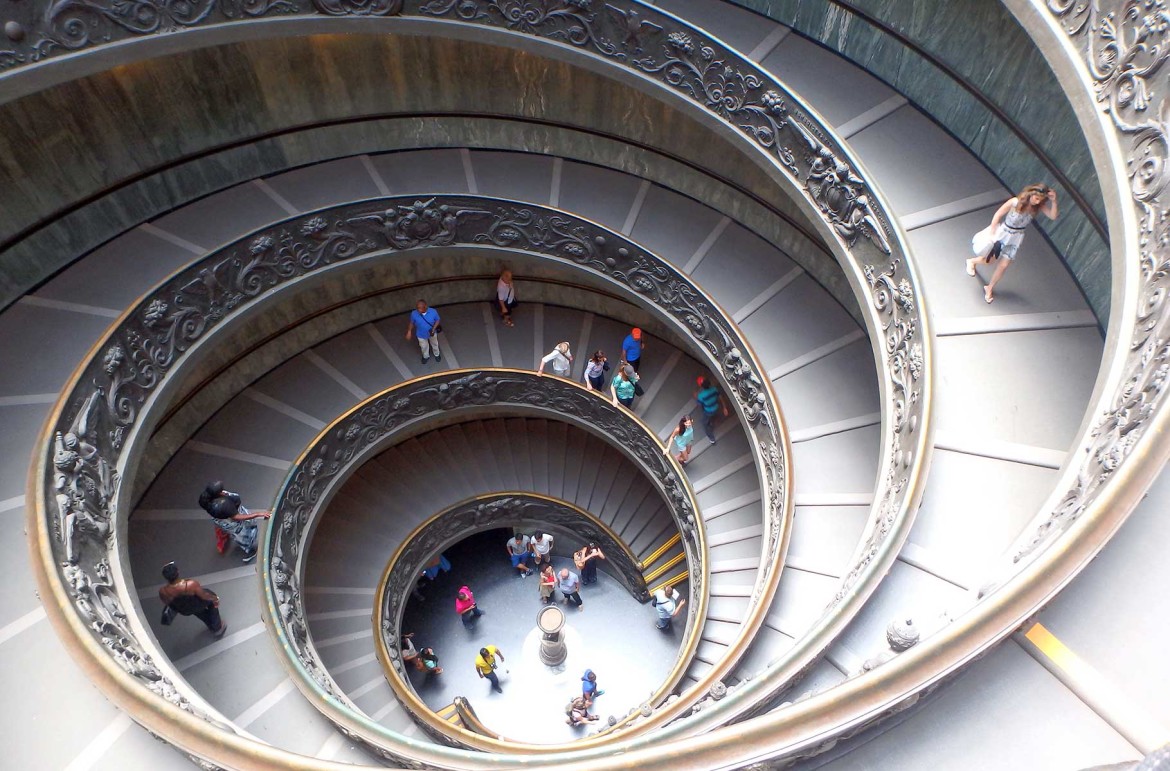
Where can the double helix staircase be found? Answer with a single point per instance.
(1012, 382)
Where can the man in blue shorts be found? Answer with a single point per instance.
(519, 551)
(424, 325)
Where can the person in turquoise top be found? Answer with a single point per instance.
(682, 439)
(622, 389)
(711, 401)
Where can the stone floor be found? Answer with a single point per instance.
(614, 635)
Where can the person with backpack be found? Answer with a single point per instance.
(622, 388)
(231, 518)
(560, 360)
(667, 604)
(585, 559)
(711, 401)
(186, 597)
(430, 661)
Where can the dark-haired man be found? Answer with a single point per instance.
(188, 598)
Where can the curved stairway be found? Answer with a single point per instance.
(401, 488)
(1012, 375)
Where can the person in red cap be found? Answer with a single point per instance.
(632, 348)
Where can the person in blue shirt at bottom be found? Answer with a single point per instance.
(424, 325)
(589, 690)
(632, 348)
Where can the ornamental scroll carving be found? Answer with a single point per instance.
(83, 460)
(1126, 44)
(624, 32)
(352, 439)
(507, 510)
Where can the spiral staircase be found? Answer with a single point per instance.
(891, 601)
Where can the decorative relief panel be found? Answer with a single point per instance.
(83, 460)
(1126, 44)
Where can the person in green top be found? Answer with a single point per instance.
(622, 389)
(711, 401)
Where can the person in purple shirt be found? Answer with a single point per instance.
(632, 348)
(424, 325)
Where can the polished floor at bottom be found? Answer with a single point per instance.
(614, 635)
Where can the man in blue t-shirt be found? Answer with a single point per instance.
(424, 325)
(632, 348)
(710, 400)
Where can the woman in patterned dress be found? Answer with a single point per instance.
(1006, 233)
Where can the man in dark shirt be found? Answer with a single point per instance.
(188, 598)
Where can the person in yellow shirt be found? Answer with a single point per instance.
(486, 663)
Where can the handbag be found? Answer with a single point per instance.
(983, 244)
(168, 615)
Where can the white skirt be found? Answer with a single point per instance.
(982, 242)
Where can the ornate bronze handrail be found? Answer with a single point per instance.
(384, 418)
(100, 418)
(667, 57)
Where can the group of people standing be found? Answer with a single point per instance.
(537, 549)
(623, 386)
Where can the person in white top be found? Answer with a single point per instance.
(668, 604)
(506, 296)
(560, 361)
(542, 544)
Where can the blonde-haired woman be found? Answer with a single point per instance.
(560, 360)
(1006, 232)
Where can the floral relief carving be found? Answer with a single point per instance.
(1126, 44)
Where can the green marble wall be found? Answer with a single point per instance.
(980, 41)
(139, 140)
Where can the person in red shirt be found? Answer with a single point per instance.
(465, 606)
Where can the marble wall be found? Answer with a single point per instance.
(980, 42)
(84, 161)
